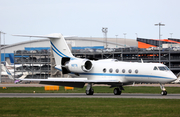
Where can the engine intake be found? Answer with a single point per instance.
(87, 66)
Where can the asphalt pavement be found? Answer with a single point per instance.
(83, 95)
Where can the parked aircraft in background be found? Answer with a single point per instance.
(10, 68)
(108, 71)
(8, 71)
(178, 79)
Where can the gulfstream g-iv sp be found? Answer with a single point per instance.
(108, 71)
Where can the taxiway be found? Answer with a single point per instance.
(83, 95)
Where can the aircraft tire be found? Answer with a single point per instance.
(117, 91)
(92, 91)
(164, 93)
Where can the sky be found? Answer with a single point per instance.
(85, 18)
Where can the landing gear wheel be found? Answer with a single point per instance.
(117, 91)
(90, 92)
(164, 93)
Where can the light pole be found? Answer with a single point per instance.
(0, 52)
(0, 56)
(116, 40)
(124, 40)
(136, 35)
(171, 34)
(159, 24)
(105, 30)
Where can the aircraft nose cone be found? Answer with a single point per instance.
(174, 77)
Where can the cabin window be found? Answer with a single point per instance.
(155, 68)
(111, 70)
(117, 70)
(130, 71)
(162, 68)
(123, 71)
(136, 71)
(104, 70)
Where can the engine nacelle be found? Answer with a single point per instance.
(78, 65)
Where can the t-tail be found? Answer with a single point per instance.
(60, 48)
(62, 53)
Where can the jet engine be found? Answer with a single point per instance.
(76, 65)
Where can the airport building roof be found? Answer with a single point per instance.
(74, 42)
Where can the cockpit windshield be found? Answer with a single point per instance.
(167, 68)
(161, 68)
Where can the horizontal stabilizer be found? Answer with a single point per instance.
(50, 36)
(38, 36)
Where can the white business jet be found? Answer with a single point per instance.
(108, 71)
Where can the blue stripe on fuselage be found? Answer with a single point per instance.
(128, 75)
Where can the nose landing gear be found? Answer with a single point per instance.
(163, 92)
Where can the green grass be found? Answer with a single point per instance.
(93, 107)
(97, 89)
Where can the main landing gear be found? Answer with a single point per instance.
(89, 89)
(117, 91)
(163, 92)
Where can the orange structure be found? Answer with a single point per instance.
(68, 88)
(146, 43)
(51, 88)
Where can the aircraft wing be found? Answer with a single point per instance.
(74, 82)
(38, 36)
(59, 79)
(84, 80)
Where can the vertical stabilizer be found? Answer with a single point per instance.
(11, 59)
(59, 47)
